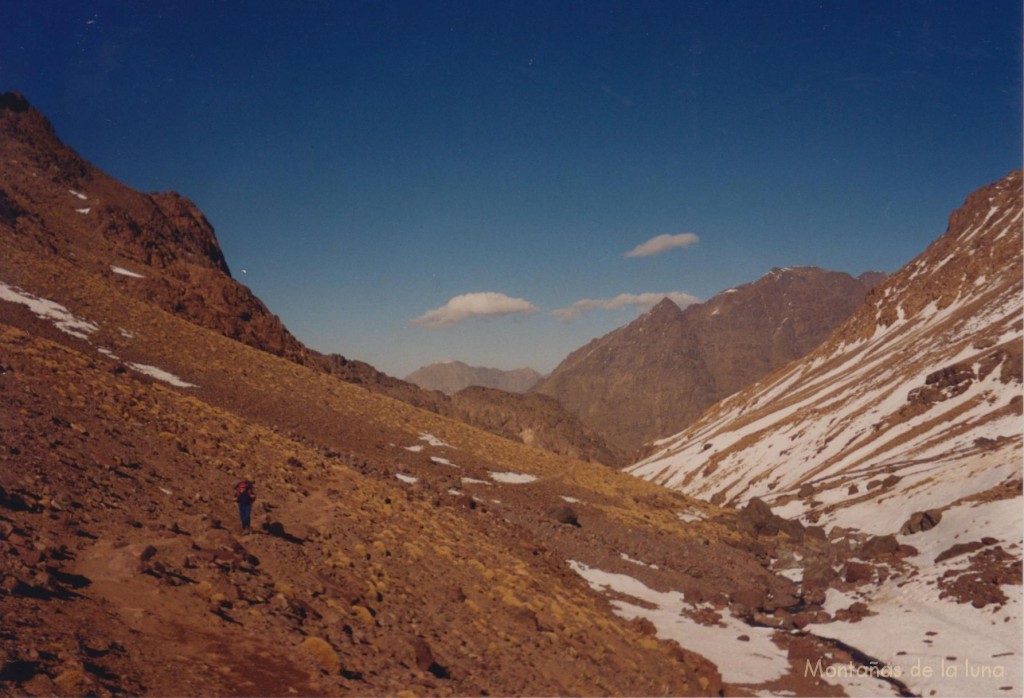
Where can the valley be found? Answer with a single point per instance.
(820, 532)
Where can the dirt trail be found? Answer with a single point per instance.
(209, 658)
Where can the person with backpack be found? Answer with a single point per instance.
(245, 495)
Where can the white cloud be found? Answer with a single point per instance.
(473, 305)
(662, 243)
(641, 301)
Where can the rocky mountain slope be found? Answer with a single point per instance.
(535, 420)
(396, 551)
(906, 422)
(56, 199)
(450, 377)
(657, 374)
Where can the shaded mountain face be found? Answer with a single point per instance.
(452, 376)
(165, 253)
(906, 422)
(657, 374)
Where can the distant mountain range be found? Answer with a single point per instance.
(450, 377)
(652, 377)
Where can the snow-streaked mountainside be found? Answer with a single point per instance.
(907, 421)
(923, 382)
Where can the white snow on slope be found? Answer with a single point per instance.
(160, 375)
(61, 317)
(69, 323)
(944, 648)
(78, 194)
(760, 661)
(83, 210)
(755, 661)
(844, 414)
(126, 272)
(432, 440)
(511, 478)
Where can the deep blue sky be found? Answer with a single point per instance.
(365, 163)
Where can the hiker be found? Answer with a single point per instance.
(245, 495)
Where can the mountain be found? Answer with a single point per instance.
(906, 422)
(654, 376)
(396, 551)
(450, 377)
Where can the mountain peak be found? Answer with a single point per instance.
(666, 306)
(662, 370)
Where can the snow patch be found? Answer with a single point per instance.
(510, 478)
(432, 440)
(969, 651)
(44, 309)
(126, 272)
(627, 558)
(759, 662)
(78, 194)
(407, 479)
(160, 375)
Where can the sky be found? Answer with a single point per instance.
(500, 182)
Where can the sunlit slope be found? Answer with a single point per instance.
(359, 480)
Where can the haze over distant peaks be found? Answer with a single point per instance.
(450, 377)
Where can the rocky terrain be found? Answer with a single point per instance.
(654, 376)
(396, 551)
(908, 423)
(535, 420)
(450, 377)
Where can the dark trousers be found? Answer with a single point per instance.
(245, 512)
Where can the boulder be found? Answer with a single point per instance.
(324, 655)
(425, 659)
(756, 512)
(878, 546)
(921, 521)
(564, 514)
(858, 572)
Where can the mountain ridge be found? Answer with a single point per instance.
(80, 210)
(449, 377)
(649, 378)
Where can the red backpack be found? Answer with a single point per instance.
(243, 487)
